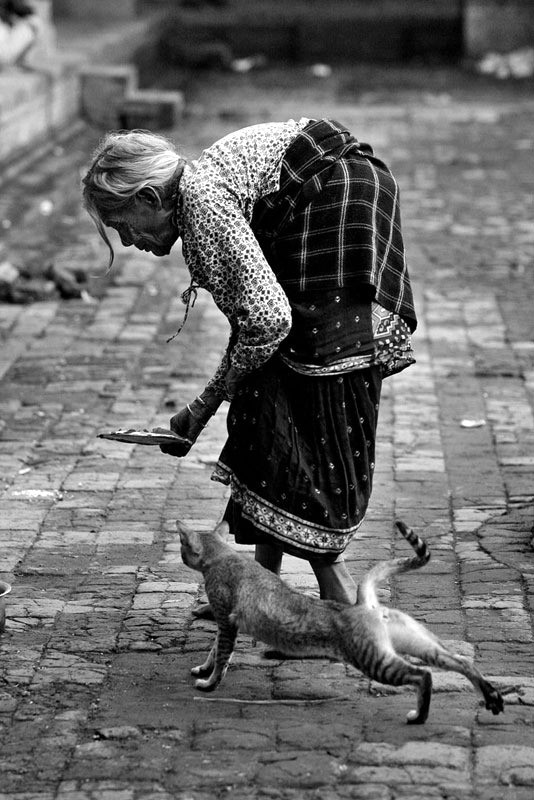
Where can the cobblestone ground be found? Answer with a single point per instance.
(96, 700)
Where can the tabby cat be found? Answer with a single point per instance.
(244, 596)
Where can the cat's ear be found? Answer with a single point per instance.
(182, 528)
(191, 544)
(223, 530)
(188, 537)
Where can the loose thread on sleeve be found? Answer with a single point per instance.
(189, 298)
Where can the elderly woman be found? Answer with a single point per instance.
(294, 229)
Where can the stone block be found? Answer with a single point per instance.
(497, 25)
(350, 40)
(103, 90)
(151, 109)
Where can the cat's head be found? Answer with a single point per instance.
(197, 547)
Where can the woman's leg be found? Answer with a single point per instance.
(335, 581)
(270, 557)
(333, 577)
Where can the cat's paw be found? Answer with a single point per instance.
(414, 717)
(201, 670)
(206, 685)
(494, 702)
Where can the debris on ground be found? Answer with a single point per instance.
(46, 207)
(16, 287)
(70, 283)
(20, 286)
(247, 64)
(517, 64)
(321, 70)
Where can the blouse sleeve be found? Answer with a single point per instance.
(217, 382)
(232, 267)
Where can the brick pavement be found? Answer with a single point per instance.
(96, 701)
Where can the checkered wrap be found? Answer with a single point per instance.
(335, 220)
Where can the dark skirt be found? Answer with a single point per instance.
(300, 458)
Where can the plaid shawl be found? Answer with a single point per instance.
(335, 221)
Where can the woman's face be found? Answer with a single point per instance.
(147, 225)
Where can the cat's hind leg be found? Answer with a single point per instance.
(393, 670)
(218, 659)
(368, 645)
(410, 637)
(419, 715)
(444, 659)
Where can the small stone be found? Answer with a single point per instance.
(118, 732)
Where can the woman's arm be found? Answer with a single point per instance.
(232, 267)
(234, 270)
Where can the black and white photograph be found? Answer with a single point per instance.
(267, 400)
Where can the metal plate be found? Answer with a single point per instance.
(154, 437)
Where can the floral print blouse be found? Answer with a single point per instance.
(214, 213)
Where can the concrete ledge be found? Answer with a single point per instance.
(33, 106)
(37, 102)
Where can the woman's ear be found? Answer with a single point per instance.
(149, 196)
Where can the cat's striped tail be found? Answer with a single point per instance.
(385, 569)
(422, 551)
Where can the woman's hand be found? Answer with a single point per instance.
(184, 424)
(189, 423)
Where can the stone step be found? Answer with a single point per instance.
(102, 89)
(110, 98)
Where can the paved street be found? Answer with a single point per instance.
(96, 699)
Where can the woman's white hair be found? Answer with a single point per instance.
(125, 163)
